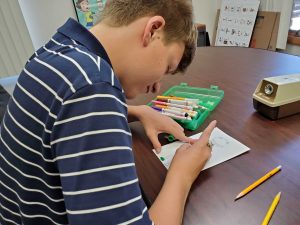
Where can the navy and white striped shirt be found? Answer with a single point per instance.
(65, 144)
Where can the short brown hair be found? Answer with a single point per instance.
(178, 15)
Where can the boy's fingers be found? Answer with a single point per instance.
(155, 142)
(208, 130)
(180, 135)
(204, 138)
(191, 140)
(175, 129)
(185, 146)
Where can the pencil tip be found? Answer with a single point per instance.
(238, 196)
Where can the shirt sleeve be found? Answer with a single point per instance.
(91, 141)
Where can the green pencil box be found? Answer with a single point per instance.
(208, 98)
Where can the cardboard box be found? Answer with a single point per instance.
(215, 27)
(265, 30)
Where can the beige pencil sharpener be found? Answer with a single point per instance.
(277, 97)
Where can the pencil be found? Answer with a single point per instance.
(258, 182)
(271, 209)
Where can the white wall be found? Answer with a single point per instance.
(293, 49)
(205, 12)
(15, 43)
(285, 8)
(43, 17)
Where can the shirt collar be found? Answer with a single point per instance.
(79, 33)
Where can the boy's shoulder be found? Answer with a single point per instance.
(76, 62)
(67, 67)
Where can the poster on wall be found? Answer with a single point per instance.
(88, 11)
(236, 22)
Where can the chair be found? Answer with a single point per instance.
(203, 37)
(7, 86)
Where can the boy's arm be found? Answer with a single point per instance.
(186, 165)
(133, 112)
(169, 205)
(91, 143)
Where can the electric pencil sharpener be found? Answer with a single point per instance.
(277, 97)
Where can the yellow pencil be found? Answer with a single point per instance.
(271, 209)
(258, 182)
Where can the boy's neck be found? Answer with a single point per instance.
(119, 41)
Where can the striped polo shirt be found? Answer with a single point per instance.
(65, 143)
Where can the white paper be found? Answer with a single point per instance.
(224, 147)
(236, 22)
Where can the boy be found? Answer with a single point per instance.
(65, 143)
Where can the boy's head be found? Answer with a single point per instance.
(167, 34)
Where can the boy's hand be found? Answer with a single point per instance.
(189, 159)
(155, 123)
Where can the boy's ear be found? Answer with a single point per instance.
(154, 24)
